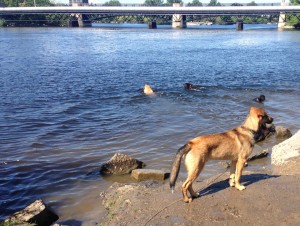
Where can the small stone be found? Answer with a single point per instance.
(149, 174)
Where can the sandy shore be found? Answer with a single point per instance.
(271, 198)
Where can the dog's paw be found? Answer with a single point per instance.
(196, 195)
(188, 200)
(232, 180)
(240, 187)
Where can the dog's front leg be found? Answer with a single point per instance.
(232, 173)
(239, 169)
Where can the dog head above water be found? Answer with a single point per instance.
(257, 119)
(148, 90)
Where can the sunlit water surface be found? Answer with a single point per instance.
(71, 98)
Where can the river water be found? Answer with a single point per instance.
(71, 98)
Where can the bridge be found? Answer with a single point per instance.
(177, 11)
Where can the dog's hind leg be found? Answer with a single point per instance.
(193, 172)
(232, 173)
(188, 186)
(239, 169)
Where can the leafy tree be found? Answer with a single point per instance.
(236, 4)
(214, 3)
(295, 2)
(252, 4)
(11, 3)
(16, 3)
(153, 2)
(195, 3)
(170, 2)
(112, 3)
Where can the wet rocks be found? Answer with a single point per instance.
(120, 164)
(252, 157)
(279, 131)
(282, 132)
(37, 213)
(262, 154)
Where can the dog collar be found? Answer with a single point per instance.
(250, 130)
(255, 134)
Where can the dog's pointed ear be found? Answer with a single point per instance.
(253, 110)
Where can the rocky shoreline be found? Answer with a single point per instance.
(271, 197)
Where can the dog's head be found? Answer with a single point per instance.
(257, 119)
(148, 90)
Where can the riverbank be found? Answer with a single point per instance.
(271, 198)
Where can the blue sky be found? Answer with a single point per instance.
(185, 1)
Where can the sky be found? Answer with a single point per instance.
(185, 1)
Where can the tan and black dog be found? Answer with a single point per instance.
(235, 145)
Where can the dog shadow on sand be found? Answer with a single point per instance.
(224, 184)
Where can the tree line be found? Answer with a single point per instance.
(63, 19)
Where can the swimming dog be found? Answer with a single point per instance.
(148, 90)
(235, 145)
(260, 99)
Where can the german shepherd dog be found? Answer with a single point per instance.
(235, 145)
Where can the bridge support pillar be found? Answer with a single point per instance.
(239, 26)
(83, 21)
(178, 20)
(281, 19)
(73, 22)
(152, 25)
(79, 20)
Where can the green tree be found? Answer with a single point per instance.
(153, 2)
(16, 3)
(112, 3)
(252, 4)
(195, 3)
(11, 3)
(214, 3)
(295, 2)
(170, 2)
(236, 4)
(32, 20)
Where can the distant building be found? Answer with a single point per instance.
(78, 2)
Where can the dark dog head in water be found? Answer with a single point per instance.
(188, 86)
(260, 99)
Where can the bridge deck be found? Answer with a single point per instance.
(141, 10)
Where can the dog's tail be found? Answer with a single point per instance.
(176, 164)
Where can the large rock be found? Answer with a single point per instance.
(286, 149)
(36, 213)
(282, 132)
(120, 164)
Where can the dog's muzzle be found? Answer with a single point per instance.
(266, 120)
